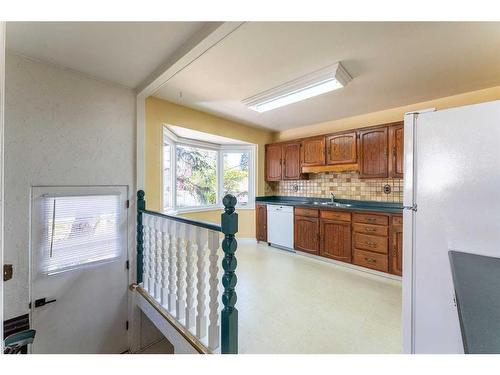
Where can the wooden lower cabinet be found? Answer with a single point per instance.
(373, 240)
(335, 240)
(370, 240)
(261, 222)
(396, 250)
(306, 234)
(370, 259)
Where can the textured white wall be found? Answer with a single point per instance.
(2, 90)
(61, 128)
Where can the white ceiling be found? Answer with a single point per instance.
(392, 64)
(122, 52)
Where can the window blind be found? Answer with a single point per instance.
(79, 230)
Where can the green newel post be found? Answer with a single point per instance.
(141, 205)
(229, 316)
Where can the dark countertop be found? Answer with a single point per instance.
(386, 207)
(477, 290)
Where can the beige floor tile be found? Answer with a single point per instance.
(290, 303)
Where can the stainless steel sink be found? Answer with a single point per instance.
(336, 204)
(331, 204)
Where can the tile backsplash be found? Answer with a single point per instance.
(343, 185)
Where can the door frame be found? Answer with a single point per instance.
(128, 249)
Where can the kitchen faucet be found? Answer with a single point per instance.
(333, 198)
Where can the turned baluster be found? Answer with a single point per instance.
(213, 307)
(165, 271)
(180, 307)
(190, 249)
(152, 255)
(172, 261)
(146, 220)
(201, 319)
(158, 258)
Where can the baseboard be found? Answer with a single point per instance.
(351, 266)
(338, 263)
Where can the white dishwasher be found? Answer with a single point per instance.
(280, 226)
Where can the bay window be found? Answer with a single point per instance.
(196, 174)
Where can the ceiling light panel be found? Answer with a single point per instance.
(319, 82)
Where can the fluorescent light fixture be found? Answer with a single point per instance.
(319, 82)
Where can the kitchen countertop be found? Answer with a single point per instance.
(477, 290)
(346, 204)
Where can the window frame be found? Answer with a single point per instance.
(37, 223)
(171, 138)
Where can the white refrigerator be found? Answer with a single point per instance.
(452, 202)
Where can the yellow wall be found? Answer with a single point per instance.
(160, 112)
(390, 115)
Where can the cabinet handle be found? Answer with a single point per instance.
(370, 260)
(370, 219)
(371, 244)
(370, 229)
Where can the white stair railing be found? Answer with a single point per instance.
(178, 273)
(175, 266)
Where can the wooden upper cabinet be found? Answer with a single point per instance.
(306, 234)
(396, 250)
(373, 150)
(341, 148)
(335, 240)
(396, 142)
(261, 222)
(273, 162)
(313, 151)
(291, 161)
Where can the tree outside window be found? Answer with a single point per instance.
(196, 177)
(236, 169)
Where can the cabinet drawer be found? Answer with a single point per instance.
(371, 229)
(371, 243)
(307, 212)
(371, 260)
(397, 220)
(371, 219)
(335, 215)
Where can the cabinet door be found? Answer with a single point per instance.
(335, 240)
(313, 151)
(291, 161)
(261, 222)
(396, 142)
(273, 162)
(373, 153)
(306, 234)
(341, 148)
(396, 263)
